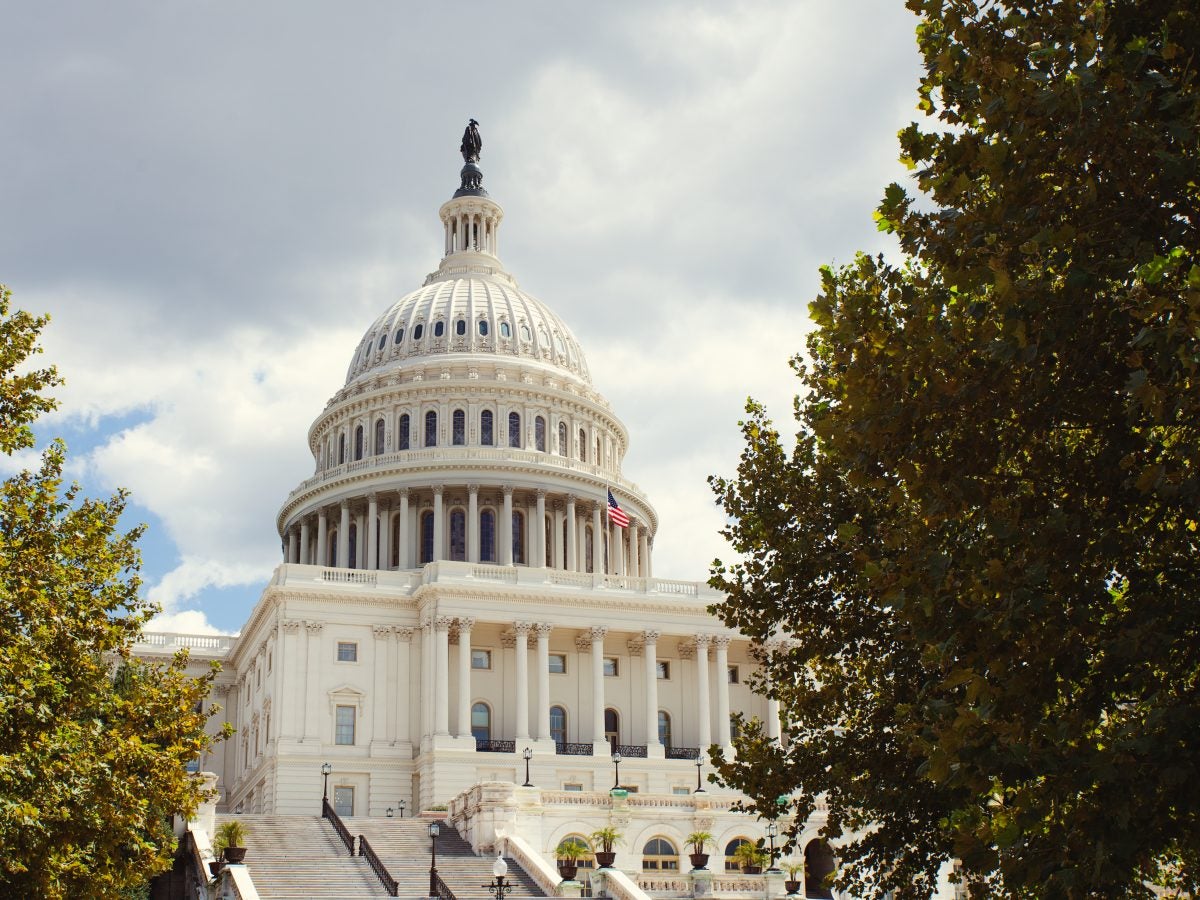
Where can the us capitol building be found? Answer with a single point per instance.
(457, 605)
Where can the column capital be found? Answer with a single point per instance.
(344, 505)
(372, 497)
(381, 631)
(721, 641)
(465, 623)
(571, 498)
(543, 629)
(508, 489)
(438, 489)
(404, 634)
(598, 632)
(522, 628)
(541, 493)
(472, 489)
(292, 625)
(703, 640)
(583, 641)
(314, 627)
(403, 492)
(650, 636)
(443, 623)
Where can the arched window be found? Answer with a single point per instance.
(379, 429)
(487, 536)
(394, 552)
(586, 860)
(505, 330)
(526, 335)
(589, 561)
(439, 328)
(382, 341)
(418, 330)
(331, 548)
(514, 429)
(459, 421)
(460, 327)
(548, 541)
(596, 458)
(481, 723)
(660, 855)
(458, 535)
(612, 728)
(518, 537)
(562, 439)
(664, 728)
(427, 536)
(431, 429)
(558, 724)
(731, 861)
(353, 554)
(358, 442)
(539, 434)
(483, 328)
(341, 449)
(402, 433)
(486, 436)
(582, 445)
(399, 335)
(818, 865)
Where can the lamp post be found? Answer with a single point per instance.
(326, 768)
(402, 804)
(699, 766)
(616, 759)
(434, 830)
(527, 754)
(772, 830)
(390, 812)
(498, 887)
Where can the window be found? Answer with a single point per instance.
(731, 862)
(379, 429)
(558, 664)
(505, 330)
(486, 436)
(562, 439)
(353, 563)
(680, 790)
(431, 429)
(458, 535)
(481, 659)
(358, 442)
(589, 562)
(664, 670)
(399, 335)
(487, 536)
(518, 537)
(460, 327)
(514, 429)
(612, 727)
(573, 786)
(459, 430)
(539, 434)
(660, 855)
(347, 651)
(341, 449)
(427, 536)
(612, 667)
(418, 331)
(344, 732)
(664, 728)
(483, 328)
(586, 860)
(582, 445)
(382, 341)
(402, 437)
(481, 722)
(526, 335)
(270, 659)
(733, 675)
(439, 328)
(558, 724)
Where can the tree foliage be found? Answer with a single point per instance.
(93, 742)
(982, 546)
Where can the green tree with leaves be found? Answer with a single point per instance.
(981, 549)
(94, 742)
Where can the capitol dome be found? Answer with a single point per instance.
(468, 429)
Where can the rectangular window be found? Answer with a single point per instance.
(344, 732)
(347, 651)
(481, 659)
(733, 675)
(573, 786)
(680, 789)
(558, 663)
(664, 670)
(611, 668)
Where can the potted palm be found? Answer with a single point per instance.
(569, 851)
(698, 841)
(793, 869)
(229, 841)
(750, 857)
(605, 840)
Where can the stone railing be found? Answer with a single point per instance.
(239, 883)
(576, 798)
(676, 885)
(620, 886)
(170, 641)
(739, 884)
(543, 874)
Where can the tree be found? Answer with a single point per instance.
(93, 741)
(981, 550)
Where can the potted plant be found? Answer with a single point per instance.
(604, 840)
(750, 857)
(793, 869)
(229, 841)
(699, 840)
(569, 851)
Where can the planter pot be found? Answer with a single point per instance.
(215, 866)
(568, 871)
(699, 860)
(751, 870)
(792, 887)
(605, 860)
(234, 855)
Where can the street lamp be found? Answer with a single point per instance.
(498, 887)
(616, 758)
(390, 812)
(434, 830)
(402, 804)
(699, 766)
(528, 755)
(772, 830)
(326, 768)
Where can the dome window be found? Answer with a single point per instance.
(382, 341)
(562, 439)
(483, 327)
(460, 327)
(582, 445)
(399, 335)
(486, 435)
(460, 428)
(525, 334)
(514, 429)
(505, 330)
(558, 345)
(431, 429)
(439, 329)
(341, 448)
(458, 535)
(487, 536)
(358, 442)
(539, 434)
(418, 331)
(402, 436)
(380, 428)
(518, 537)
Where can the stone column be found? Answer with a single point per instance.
(405, 561)
(385, 535)
(382, 664)
(644, 552)
(724, 738)
(540, 529)
(322, 539)
(633, 549)
(506, 529)
(403, 701)
(293, 546)
(597, 540)
(703, 704)
(305, 541)
(473, 523)
(522, 686)
(598, 634)
(360, 541)
(464, 676)
(572, 540)
(293, 660)
(650, 651)
(428, 676)
(312, 668)
(441, 682)
(616, 557)
(372, 531)
(343, 545)
(439, 524)
(543, 664)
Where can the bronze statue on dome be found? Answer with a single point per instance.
(471, 143)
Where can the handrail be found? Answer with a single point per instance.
(443, 890)
(328, 812)
(389, 883)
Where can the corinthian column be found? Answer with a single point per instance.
(543, 664)
(464, 676)
(654, 746)
(724, 738)
(522, 651)
(598, 634)
(704, 706)
(441, 680)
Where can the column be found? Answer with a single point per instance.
(597, 540)
(572, 540)
(644, 552)
(312, 670)
(360, 542)
(322, 539)
(428, 676)
(724, 738)
(464, 676)
(633, 549)
(379, 709)
(598, 634)
(372, 532)
(557, 551)
(343, 545)
(540, 530)
(506, 532)
(522, 686)
(473, 523)
(704, 711)
(403, 701)
(543, 664)
(650, 652)
(615, 557)
(402, 531)
(441, 683)
(305, 540)
(293, 546)
(385, 535)
(438, 524)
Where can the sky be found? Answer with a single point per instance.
(214, 201)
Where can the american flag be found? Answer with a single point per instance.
(615, 514)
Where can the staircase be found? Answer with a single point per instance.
(302, 858)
